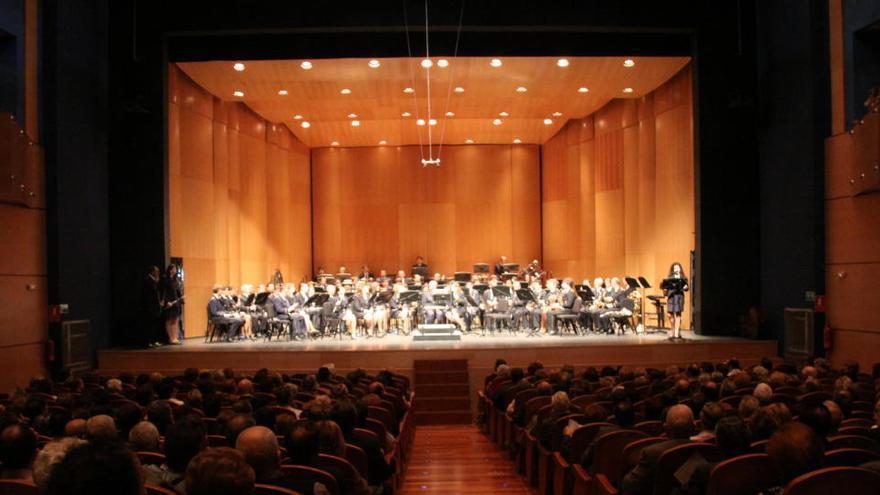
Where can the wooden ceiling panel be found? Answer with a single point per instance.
(378, 99)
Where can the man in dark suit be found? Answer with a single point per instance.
(679, 428)
(365, 273)
(151, 309)
(567, 298)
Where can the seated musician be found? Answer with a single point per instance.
(400, 278)
(253, 318)
(218, 316)
(331, 309)
(566, 301)
(621, 306)
(381, 312)
(383, 276)
(499, 267)
(232, 306)
(549, 301)
(310, 315)
(525, 312)
(400, 311)
(609, 305)
(590, 313)
(320, 275)
(365, 273)
(457, 313)
(433, 313)
(360, 310)
(298, 319)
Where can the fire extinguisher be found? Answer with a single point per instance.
(827, 340)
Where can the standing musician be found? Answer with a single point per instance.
(151, 310)
(499, 267)
(172, 301)
(675, 298)
(433, 313)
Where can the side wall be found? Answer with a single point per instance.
(379, 206)
(238, 194)
(618, 188)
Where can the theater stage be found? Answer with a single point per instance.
(399, 352)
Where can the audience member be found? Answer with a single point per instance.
(219, 471)
(144, 437)
(679, 427)
(18, 448)
(96, 467)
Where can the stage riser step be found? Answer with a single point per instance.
(429, 391)
(441, 365)
(443, 418)
(442, 404)
(436, 338)
(441, 378)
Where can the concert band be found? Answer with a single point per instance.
(368, 306)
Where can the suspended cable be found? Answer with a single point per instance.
(412, 78)
(449, 86)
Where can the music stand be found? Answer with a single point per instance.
(409, 296)
(644, 283)
(462, 276)
(481, 288)
(249, 300)
(443, 299)
(260, 299)
(420, 270)
(414, 287)
(481, 267)
(632, 282)
(320, 289)
(318, 299)
(510, 267)
(526, 296)
(501, 291)
(673, 284)
(343, 276)
(383, 297)
(585, 293)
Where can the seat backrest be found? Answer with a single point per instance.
(672, 459)
(148, 489)
(378, 428)
(535, 404)
(611, 445)
(865, 423)
(633, 451)
(834, 481)
(732, 400)
(260, 489)
(358, 458)
(853, 442)
(749, 473)
(759, 447)
(855, 430)
(582, 437)
(18, 487)
(583, 401)
(381, 414)
(217, 441)
(151, 458)
(814, 398)
(849, 457)
(523, 396)
(651, 427)
(559, 425)
(335, 464)
(303, 478)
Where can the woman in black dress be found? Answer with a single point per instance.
(172, 299)
(675, 299)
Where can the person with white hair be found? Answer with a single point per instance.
(51, 454)
(763, 393)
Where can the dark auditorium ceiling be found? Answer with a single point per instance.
(531, 97)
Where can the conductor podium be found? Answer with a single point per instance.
(436, 332)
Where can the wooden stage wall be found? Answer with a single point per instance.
(379, 206)
(238, 195)
(618, 188)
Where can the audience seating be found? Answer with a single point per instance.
(260, 489)
(672, 459)
(852, 441)
(158, 490)
(358, 458)
(18, 487)
(849, 457)
(835, 481)
(611, 445)
(151, 458)
(304, 478)
(749, 473)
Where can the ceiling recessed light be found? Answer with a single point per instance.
(469, 141)
(548, 121)
(450, 114)
(355, 123)
(627, 90)
(238, 93)
(334, 143)
(459, 89)
(562, 62)
(420, 122)
(521, 89)
(426, 63)
(432, 122)
(305, 124)
(495, 62)
(504, 114)
(297, 117)
(629, 62)
(282, 92)
(516, 141)
(345, 91)
(238, 66)
(443, 63)
(352, 115)
(382, 142)
(374, 64)
(306, 65)
(557, 114)
(405, 114)
(408, 90)
(497, 122)
(583, 89)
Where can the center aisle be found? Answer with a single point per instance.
(459, 460)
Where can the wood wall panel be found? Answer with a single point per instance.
(380, 207)
(852, 229)
(853, 295)
(634, 195)
(22, 240)
(238, 196)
